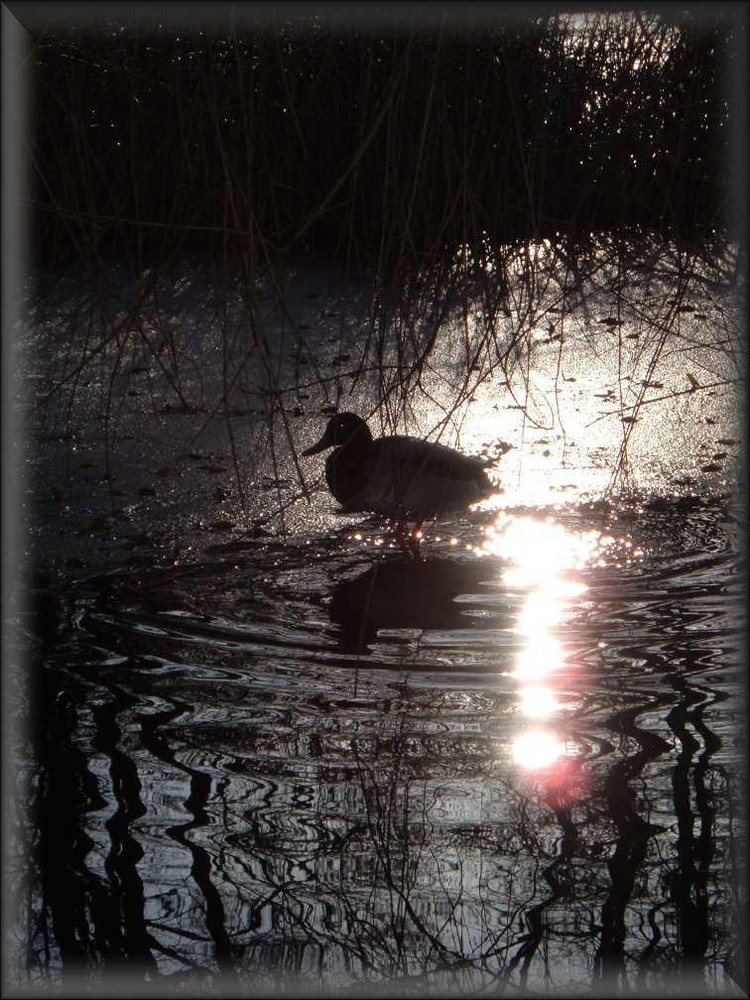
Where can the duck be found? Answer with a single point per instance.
(400, 477)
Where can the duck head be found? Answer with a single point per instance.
(342, 429)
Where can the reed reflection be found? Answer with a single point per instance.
(543, 558)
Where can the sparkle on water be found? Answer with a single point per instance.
(543, 557)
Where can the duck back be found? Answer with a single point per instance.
(407, 477)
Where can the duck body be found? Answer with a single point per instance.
(398, 476)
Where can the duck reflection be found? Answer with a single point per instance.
(393, 594)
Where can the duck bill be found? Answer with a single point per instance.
(320, 446)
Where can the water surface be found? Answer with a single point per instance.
(267, 750)
(321, 761)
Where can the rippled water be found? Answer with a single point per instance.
(269, 751)
(316, 763)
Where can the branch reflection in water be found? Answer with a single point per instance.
(500, 767)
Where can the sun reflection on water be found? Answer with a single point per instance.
(543, 559)
(540, 656)
(536, 749)
(537, 701)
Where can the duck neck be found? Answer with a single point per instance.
(356, 444)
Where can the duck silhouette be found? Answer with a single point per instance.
(400, 477)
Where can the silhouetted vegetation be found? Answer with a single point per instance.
(384, 145)
(486, 175)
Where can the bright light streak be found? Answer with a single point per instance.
(542, 558)
(540, 657)
(536, 749)
(538, 701)
(540, 552)
(541, 610)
